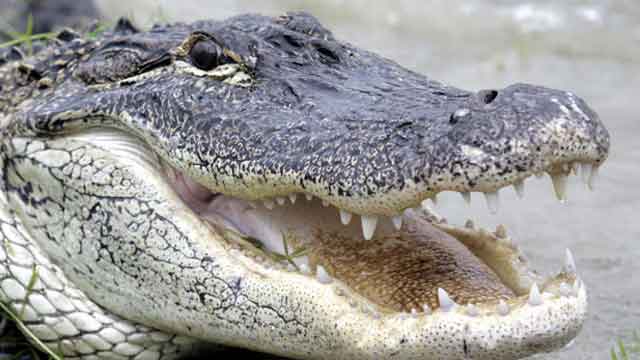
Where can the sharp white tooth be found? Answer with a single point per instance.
(564, 289)
(269, 204)
(426, 309)
(577, 284)
(345, 217)
(569, 263)
(472, 310)
(445, 301)
(519, 187)
(304, 268)
(574, 168)
(425, 204)
(535, 298)
(503, 308)
(493, 201)
(585, 172)
(292, 198)
(280, 201)
(501, 231)
(560, 186)
(322, 275)
(593, 178)
(467, 197)
(434, 199)
(309, 197)
(369, 223)
(397, 221)
(414, 313)
(469, 224)
(325, 203)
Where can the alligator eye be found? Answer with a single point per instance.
(205, 54)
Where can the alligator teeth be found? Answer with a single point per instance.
(564, 289)
(593, 177)
(467, 197)
(304, 268)
(269, 204)
(576, 286)
(445, 301)
(369, 223)
(345, 217)
(574, 168)
(426, 309)
(322, 275)
(292, 198)
(569, 263)
(560, 186)
(585, 172)
(424, 204)
(397, 221)
(503, 308)
(519, 187)
(493, 201)
(414, 313)
(472, 310)
(280, 200)
(535, 298)
(309, 197)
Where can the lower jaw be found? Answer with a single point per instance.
(427, 265)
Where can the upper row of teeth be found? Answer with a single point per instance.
(588, 172)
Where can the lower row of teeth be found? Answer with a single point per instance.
(588, 172)
(447, 304)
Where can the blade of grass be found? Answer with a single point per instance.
(30, 285)
(25, 330)
(623, 351)
(43, 36)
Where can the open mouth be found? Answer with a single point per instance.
(414, 263)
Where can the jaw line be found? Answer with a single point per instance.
(360, 324)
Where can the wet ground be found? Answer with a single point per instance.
(589, 47)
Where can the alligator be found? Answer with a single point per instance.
(256, 183)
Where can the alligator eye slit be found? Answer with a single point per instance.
(205, 54)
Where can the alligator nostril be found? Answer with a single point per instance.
(487, 96)
(458, 115)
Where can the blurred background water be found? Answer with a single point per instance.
(589, 47)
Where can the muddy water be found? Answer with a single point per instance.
(589, 47)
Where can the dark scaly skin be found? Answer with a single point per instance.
(345, 124)
(309, 114)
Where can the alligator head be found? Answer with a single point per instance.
(257, 183)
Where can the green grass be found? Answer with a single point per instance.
(27, 37)
(24, 342)
(629, 351)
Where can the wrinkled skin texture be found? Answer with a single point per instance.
(293, 110)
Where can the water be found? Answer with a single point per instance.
(589, 47)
